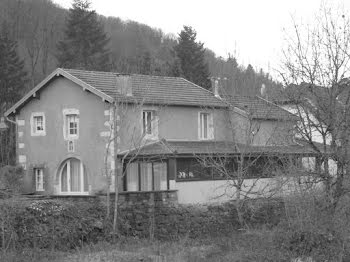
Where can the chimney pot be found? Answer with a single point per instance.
(215, 86)
(124, 84)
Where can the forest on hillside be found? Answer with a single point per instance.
(38, 25)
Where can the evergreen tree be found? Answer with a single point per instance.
(191, 58)
(12, 75)
(85, 42)
(12, 82)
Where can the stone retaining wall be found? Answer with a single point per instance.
(156, 214)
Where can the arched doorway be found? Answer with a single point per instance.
(73, 178)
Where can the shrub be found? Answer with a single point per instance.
(51, 224)
(311, 229)
(11, 179)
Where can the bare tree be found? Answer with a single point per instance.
(251, 171)
(125, 140)
(315, 71)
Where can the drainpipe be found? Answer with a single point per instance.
(16, 135)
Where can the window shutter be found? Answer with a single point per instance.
(45, 177)
(211, 126)
(156, 125)
(32, 186)
(199, 125)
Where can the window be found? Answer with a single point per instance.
(149, 124)
(72, 121)
(205, 126)
(146, 176)
(73, 177)
(192, 169)
(224, 168)
(38, 124)
(71, 124)
(39, 179)
(71, 147)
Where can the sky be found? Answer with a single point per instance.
(251, 30)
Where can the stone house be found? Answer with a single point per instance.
(74, 124)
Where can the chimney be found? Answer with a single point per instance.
(124, 84)
(263, 91)
(215, 86)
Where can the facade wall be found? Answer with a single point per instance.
(174, 123)
(219, 191)
(260, 132)
(50, 151)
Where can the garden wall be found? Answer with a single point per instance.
(68, 222)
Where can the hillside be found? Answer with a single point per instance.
(38, 25)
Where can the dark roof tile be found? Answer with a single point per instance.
(259, 108)
(167, 148)
(151, 89)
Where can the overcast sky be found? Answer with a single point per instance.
(252, 30)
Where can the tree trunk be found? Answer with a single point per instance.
(116, 171)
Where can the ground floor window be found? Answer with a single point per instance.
(146, 176)
(207, 168)
(39, 179)
(73, 177)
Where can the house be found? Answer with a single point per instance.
(323, 114)
(72, 124)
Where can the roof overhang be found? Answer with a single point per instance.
(56, 73)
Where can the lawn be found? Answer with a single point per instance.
(255, 245)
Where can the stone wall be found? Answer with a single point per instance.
(156, 214)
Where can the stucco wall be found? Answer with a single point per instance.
(175, 123)
(50, 150)
(260, 132)
(219, 191)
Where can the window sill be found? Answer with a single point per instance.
(146, 192)
(71, 138)
(150, 137)
(216, 179)
(206, 139)
(38, 134)
(73, 194)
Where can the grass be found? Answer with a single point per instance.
(255, 245)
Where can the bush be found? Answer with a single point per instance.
(311, 229)
(11, 180)
(50, 224)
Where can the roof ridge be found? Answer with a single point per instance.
(89, 71)
(159, 76)
(198, 86)
(273, 104)
(117, 73)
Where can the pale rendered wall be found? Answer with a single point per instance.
(218, 191)
(51, 150)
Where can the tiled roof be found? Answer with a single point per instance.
(169, 148)
(259, 108)
(151, 89)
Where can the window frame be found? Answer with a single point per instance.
(39, 183)
(70, 146)
(66, 123)
(82, 179)
(209, 126)
(188, 167)
(33, 124)
(139, 175)
(153, 124)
